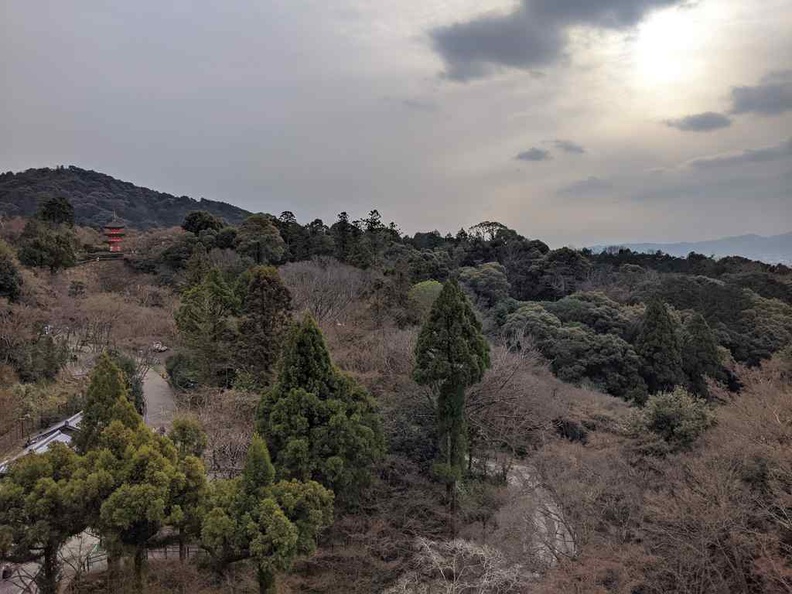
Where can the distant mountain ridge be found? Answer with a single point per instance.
(96, 196)
(774, 249)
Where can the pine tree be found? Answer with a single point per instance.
(700, 355)
(204, 320)
(451, 355)
(266, 307)
(319, 423)
(105, 401)
(270, 524)
(41, 508)
(659, 348)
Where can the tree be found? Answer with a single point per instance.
(658, 346)
(10, 279)
(57, 211)
(451, 354)
(200, 220)
(488, 282)
(105, 401)
(423, 295)
(259, 239)
(188, 436)
(270, 523)
(45, 247)
(677, 417)
(319, 422)
(205, 322)
(700, 356)
(266, 308)
(41, 508)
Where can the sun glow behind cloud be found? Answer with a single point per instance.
(669, 48)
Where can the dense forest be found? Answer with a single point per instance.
(361, 410)
(96, 197)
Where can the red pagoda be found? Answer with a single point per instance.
(114, 232)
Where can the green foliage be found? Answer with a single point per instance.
(252, 518)
(105, 401)
(41, 507)
(201, 220)
(319, 423)
(676, 417)
(488, 282)
(96, 196)
(182, 371)
(43, 246)
(700, 355)
(10, 279)
(258, 239)
(133, 378)
(451, 354)
(423, 295)
(576, 353)
(57, 211)
(258, 473)
(266, 308)
(188, 436)
(595, 310)
(205, 323)
(659, 347)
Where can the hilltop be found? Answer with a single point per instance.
(775, 249)
(95, 196)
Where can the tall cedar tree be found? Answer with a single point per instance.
(700, 355)
(319, 422)
(204, 321)
(659, 347)
(10, 278)
(258, 238)
(106, 401)
(266, 307)
(252, 517)
(451, 355)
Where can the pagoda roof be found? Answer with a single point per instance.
(115, 223)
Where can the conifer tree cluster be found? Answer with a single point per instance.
(320, 423)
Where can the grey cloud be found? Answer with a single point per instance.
(772, 96)
(760, 155)
(533, 35)
(591, 186)
(700, 122)
(569, 147)
(534, 154)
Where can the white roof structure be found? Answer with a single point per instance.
(41, 442)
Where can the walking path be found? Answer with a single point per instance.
(160, 403)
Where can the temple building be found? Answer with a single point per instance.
(114, 233)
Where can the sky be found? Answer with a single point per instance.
(577, 122)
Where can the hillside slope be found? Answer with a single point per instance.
(775, 249)
(95, 196)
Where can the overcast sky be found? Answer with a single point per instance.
(573, 121)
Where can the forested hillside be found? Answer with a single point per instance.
(96, 197)
(363, 411)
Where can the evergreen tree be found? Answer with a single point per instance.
(451, 355)
(43, 246)
(700, 355)
(205, 322)
(57, 211)
(10, 279)
(105, 401)
(41, 508)
(658, 346)
(259, 239)
(200, 220)
(266, 306)
(320, 423)
(252, 518)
